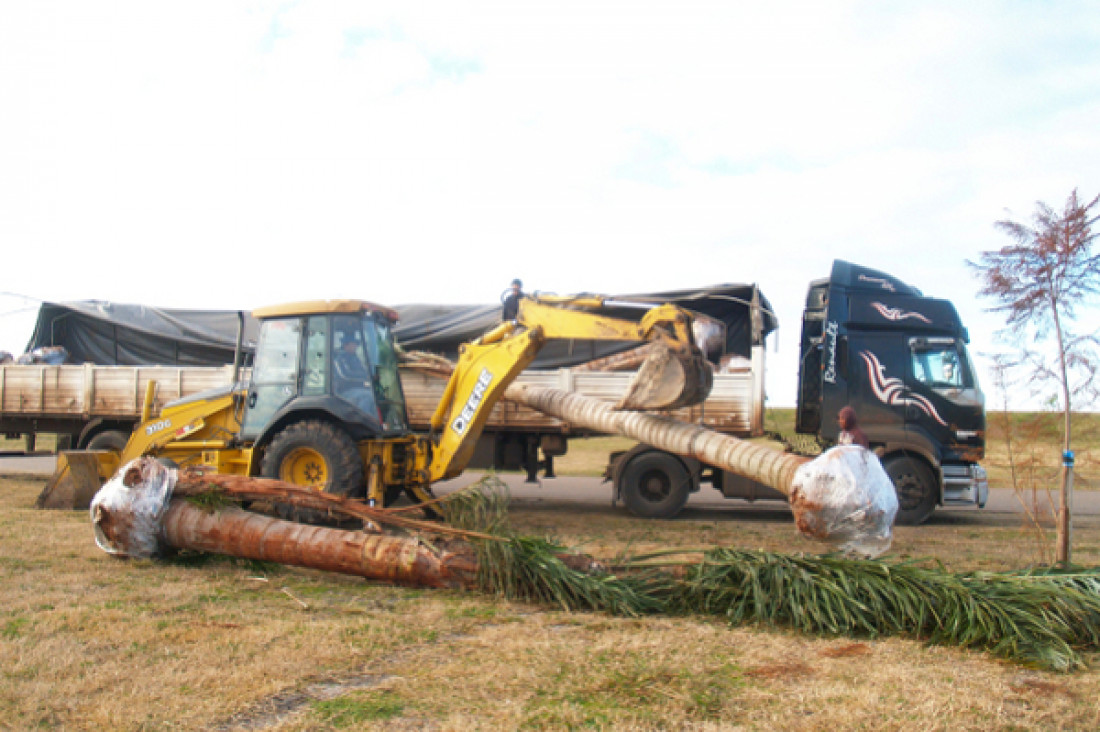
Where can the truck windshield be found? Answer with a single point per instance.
(942, 364)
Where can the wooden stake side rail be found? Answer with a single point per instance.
(90, 391)
(80, 394)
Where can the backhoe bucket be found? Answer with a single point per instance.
(77, 479)
(668, 379)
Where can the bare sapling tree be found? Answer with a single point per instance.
(1041, 281)
(1021, 464)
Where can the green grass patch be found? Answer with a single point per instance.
(14, 628)
(358, 708)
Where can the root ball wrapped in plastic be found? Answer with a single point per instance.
(128, 510)
(844, 497)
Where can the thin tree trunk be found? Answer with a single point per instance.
(1064, 540)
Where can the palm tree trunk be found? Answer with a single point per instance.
(376, 556)
(764, 465)
(851, 517)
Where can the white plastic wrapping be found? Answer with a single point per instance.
(845, 498)
(127, 510)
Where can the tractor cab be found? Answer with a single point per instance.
(333, 359)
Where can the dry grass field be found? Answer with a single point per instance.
(91, 642)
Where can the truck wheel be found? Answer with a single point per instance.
(317, 455)
(112, 440)
(654, 485)
(916, 489)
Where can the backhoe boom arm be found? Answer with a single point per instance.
(488, 365)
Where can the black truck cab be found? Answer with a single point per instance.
(899, 359)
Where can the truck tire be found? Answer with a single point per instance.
(654, 484)
(916, 489)
(112, 440)
(318, 455)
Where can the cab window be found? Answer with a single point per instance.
(941, 365)
(316, 370)
(278, 352)
(387, 377)
(351, 373)
(275, 374)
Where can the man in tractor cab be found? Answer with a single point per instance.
(352, 379)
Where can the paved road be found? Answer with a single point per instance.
(27, 465)
(1003, 509)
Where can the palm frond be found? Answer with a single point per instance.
(533, 569)
(1038, 619)
(481, 507)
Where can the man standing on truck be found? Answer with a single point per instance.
(510, 299)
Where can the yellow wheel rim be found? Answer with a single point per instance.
(305, 466)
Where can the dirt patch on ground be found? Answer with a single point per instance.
(846, 650)
(1043, 687)
(781, 671)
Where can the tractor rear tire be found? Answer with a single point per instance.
(316, 455)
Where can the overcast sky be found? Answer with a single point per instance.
(232, 155)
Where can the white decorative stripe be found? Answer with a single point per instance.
(893, 391)
(896, 314)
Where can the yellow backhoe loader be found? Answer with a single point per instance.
(324, 405)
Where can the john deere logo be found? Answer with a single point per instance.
(462, 421)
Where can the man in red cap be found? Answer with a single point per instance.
(850, 433)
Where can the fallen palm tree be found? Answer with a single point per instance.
(149, 509)
(1042, 619)
(843, 497)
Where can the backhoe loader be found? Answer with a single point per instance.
(324, 405)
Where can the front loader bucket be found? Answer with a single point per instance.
(668, 379)
(77, 479)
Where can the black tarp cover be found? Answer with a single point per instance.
(442, 328)
(115, 334)
(109, 333)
